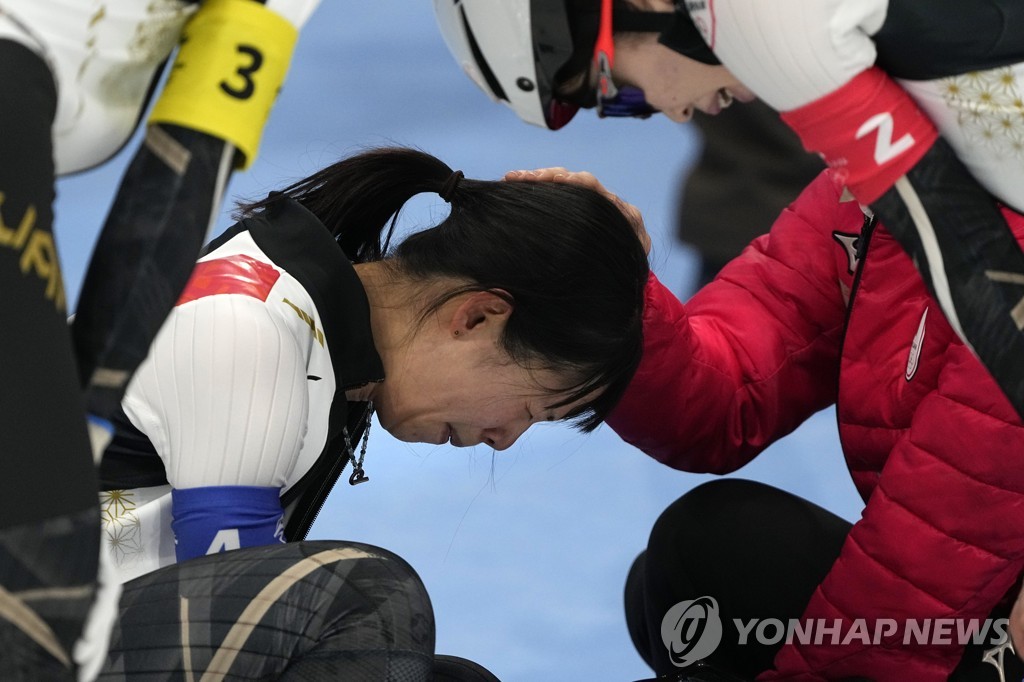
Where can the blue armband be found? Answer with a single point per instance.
(221, 518)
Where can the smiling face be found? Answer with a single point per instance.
(672, 83)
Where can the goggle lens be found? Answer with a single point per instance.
(611, 100)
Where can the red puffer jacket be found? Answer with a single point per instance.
(934, 448)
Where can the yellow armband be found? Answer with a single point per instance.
(232, 60)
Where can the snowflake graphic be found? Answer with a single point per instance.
(121, 525)
(116, 503)
(124, 538)
(990, 109)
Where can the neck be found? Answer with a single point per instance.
(402, 339)
(388, 319)
(362, 394)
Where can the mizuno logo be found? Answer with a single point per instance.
(996, 656)
(915, 348)
(1011, 278)
(849, 243)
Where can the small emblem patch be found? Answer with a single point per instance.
(915, 348)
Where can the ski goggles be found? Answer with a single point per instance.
(611, 100)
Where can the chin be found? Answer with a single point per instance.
(388, 424)
(385, 417)
(400, 435)
(413, 436)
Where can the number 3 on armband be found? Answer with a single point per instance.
(245, 73)
(232, 60)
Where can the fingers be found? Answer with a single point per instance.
(539, 174)
(559, 174)
(588, 180)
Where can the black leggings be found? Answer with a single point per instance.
(48, 468)
(319, 610)
(760, 553)
(49, 525)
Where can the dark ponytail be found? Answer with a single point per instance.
(564, 256)
(359, 198)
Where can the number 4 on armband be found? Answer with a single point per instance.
(225, 540)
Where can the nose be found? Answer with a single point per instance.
(678, 116)
(502, 438)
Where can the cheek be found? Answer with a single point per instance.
(403, 427)
(661, 93)
(675, 89)
(486, 412)
(397, 411)
(480, 413)
(667, 94)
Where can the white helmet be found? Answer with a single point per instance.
(512, 49)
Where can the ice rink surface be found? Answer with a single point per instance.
(524, 552)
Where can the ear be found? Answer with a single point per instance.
(478, 311)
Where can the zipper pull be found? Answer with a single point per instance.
(865, 235)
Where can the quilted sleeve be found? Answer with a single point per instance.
(940, 537)
(751, 355)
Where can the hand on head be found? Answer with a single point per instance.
(585, 179)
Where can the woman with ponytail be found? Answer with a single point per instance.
(524, 304)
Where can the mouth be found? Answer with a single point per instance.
(725, 98)
(721, 100)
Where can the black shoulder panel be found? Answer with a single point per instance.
(924, 40)
(130, 461)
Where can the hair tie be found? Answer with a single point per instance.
(449, 185)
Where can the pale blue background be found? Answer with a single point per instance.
(524, 552)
